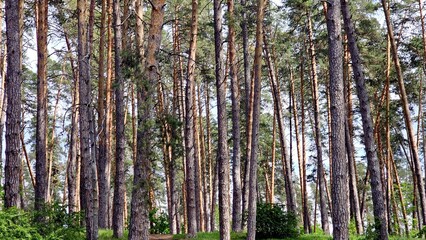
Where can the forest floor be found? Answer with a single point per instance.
(107, 235)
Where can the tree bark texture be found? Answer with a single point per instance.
(88, 162)
(139, 220)
(340, 193)
(13, 111)
(222, 154)
(119, 179)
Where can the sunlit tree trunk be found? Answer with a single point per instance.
(41, 191)
(406, 110)
(318, 138)
(189, 124)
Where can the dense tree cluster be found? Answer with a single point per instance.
(200, 108)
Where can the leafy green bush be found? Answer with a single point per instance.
(273, 222)
(54, 223)
(159, 222)
(17, 224)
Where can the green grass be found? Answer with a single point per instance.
(106, 234)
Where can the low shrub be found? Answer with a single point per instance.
(273, 222)
(17, 224)
(159, 222)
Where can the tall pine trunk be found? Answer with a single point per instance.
(340, 194)
(41, 194)
(139, 219)
(222, 154)
(119, 179)
(373, 166)
(251, 223)
(189, 125)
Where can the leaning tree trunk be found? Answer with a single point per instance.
(407, 118)
(88, 163)
(13, 112)
(139, 219)
(41, 194)
(373, 163)
(222, 154)
(251, 223)
(340, 185)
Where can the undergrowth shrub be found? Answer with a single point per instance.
(17, 224)
(273, 222)
(159, 222)
(54, 223)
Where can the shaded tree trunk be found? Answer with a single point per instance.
(119, 184)
(13, 111)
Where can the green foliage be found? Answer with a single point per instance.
(273, 222)
(17, 224)
(373, 231)
(159, 222)
(57, 224)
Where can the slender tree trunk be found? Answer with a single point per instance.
(318, 142)
(407, 118)
(251, 223)
(222, 154)
(306, 219)
(119, 184)
(2, 90)
(41, 193)
(339, 165)
(290, 194)
(236, 135)
(13, 112)
(104, 185)
(139, 220)
(189, 124)
(248, 106)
